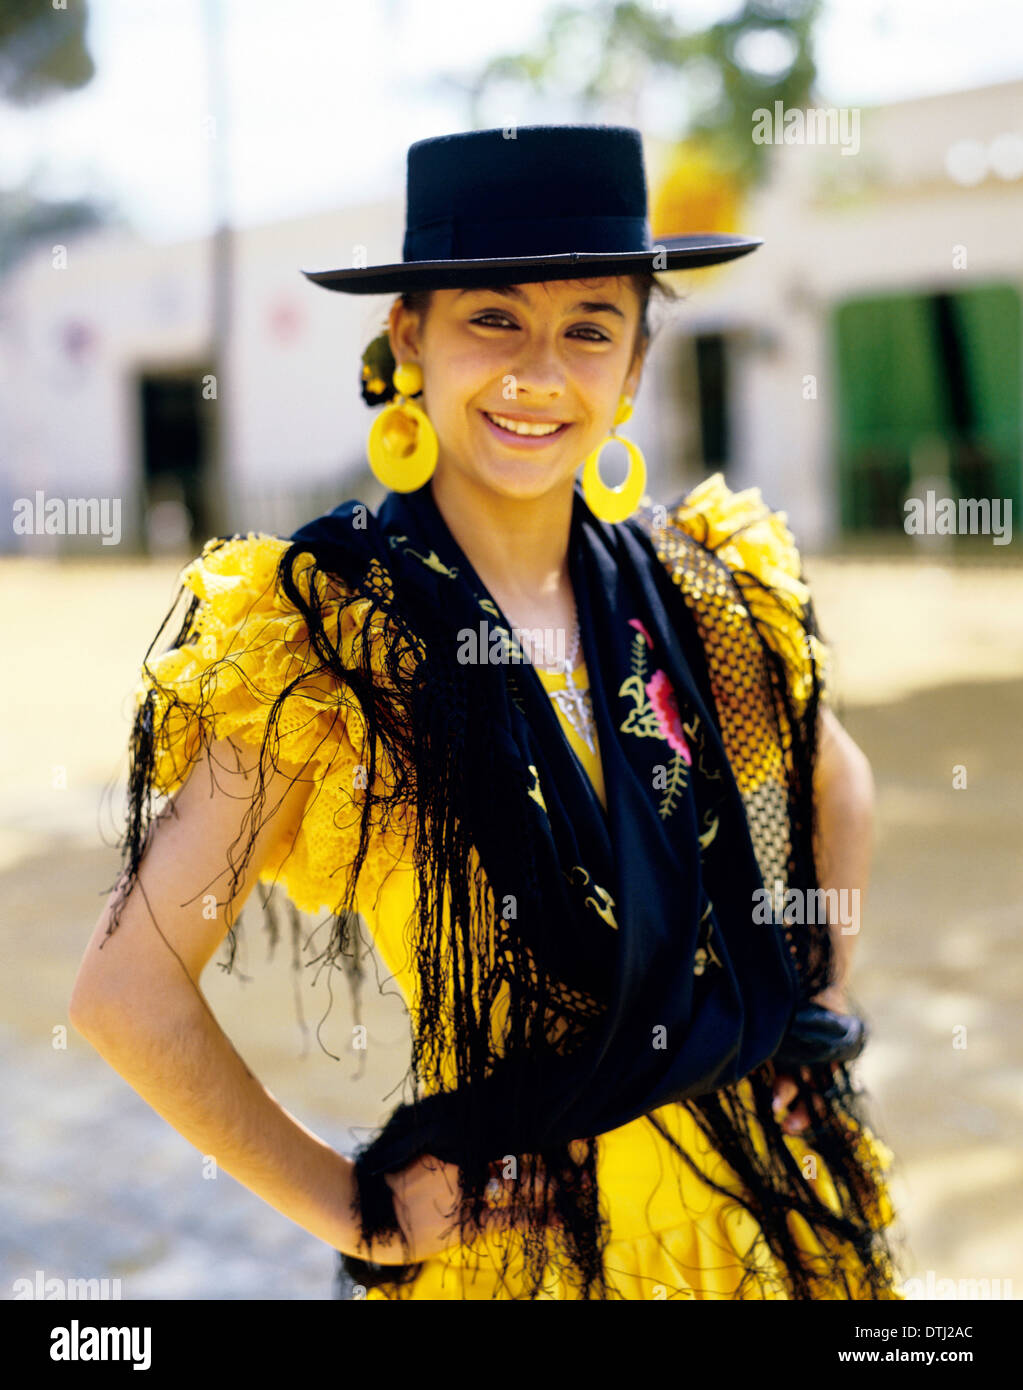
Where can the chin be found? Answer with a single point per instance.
(523, 480)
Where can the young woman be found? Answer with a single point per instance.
(566, 756)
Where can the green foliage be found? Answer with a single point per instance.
(42, 55)
(42, 50)
(602, 54)
(27, 221)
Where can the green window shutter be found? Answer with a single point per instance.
(909, 367)
(992, 320)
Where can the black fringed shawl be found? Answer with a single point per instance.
(623, 951)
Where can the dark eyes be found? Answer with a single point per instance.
(592, 335)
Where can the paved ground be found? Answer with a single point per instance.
(95, 1184)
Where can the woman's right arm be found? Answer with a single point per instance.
(136, 999)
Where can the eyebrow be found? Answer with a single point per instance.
(588, 306)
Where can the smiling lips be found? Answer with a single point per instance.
(524, 428)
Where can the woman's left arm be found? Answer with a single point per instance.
(844, 796)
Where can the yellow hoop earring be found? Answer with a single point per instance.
(402, 444)
(615, 503)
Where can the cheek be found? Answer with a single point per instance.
(601, 374)
(469, 375)
(477, 372)
(599, 385)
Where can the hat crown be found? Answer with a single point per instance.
(526, 190)
(526, 203)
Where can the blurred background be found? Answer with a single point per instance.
(166, 171)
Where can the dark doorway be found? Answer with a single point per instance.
(177, 449)
(712, 385)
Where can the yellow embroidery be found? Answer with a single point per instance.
(535, 791)
(711, 822)
(676, 786)
(511, 651)
(643, 722)
(603, 908)
(641, 719)
(704, 954)
(430, 561)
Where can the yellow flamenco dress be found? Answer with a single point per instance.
(671, 1235)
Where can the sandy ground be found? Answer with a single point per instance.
(929, 662)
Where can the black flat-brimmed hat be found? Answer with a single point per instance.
(527, 203)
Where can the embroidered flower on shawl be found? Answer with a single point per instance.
(665, 706)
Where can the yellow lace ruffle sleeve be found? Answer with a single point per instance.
(243, 644)
(760, 550)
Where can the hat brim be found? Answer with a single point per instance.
(668, 253)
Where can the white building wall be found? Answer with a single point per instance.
(294, 424)
(299, 408)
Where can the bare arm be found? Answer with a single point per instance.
(137, 1000)
(844, 792)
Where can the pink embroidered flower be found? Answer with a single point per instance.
(638, 625)
(662, 697)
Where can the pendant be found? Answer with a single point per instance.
(577, 708)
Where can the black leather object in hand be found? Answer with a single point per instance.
(817, 1035)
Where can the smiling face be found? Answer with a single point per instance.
(522, 382)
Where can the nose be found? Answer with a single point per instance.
(539, 372)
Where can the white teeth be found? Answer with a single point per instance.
(521, 426)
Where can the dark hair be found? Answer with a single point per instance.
(378, 360)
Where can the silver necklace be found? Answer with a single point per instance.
(573, 702)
